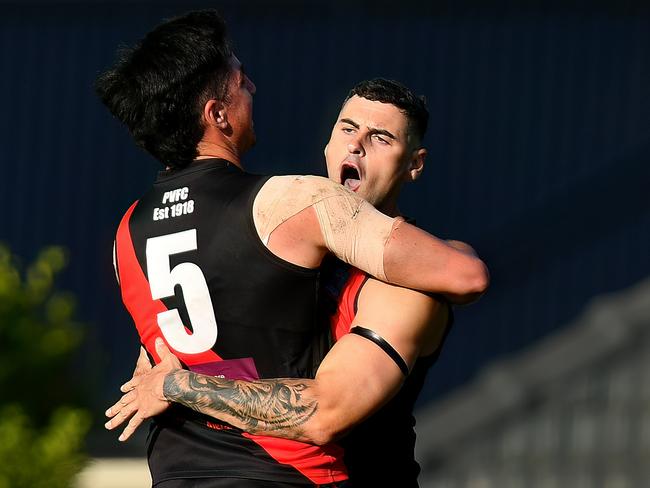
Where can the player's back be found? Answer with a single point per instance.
(193, 270)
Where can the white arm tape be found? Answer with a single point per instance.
(352, 228)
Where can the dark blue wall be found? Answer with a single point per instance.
(539, 145)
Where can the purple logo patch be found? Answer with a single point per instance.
(232, 369)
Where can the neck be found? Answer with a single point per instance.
(390, 208)
(209, 149)
(392, 212)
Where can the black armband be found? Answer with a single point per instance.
(371, 335)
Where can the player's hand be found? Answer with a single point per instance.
(142, 365)
(143, 394)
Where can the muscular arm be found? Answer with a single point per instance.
(354, 380)
(266, 406)
(320, 216)
(418, 260)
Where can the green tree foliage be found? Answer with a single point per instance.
(41, 432)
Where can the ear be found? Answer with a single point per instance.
(215, 114)
(416, 164)
(325, 151)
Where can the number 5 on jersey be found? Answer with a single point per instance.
(189, 276)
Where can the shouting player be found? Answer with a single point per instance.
(223, 264)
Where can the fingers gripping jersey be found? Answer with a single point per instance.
(193, 271)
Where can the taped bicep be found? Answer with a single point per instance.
(352, 229)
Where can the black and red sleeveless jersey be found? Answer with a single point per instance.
(193, 270)
(380, 451)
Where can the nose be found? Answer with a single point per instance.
(355, 147)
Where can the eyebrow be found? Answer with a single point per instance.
(351, 122)
(373, 130)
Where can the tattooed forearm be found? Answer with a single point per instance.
(279, 406)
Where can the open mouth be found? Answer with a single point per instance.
(350, 177)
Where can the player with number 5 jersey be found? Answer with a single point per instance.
(227, 306)
(224, 265)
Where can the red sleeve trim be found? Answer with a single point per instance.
(347, 305)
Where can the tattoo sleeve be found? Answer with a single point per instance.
(278, 407)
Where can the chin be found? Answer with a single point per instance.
(365, 197)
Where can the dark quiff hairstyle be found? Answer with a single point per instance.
(393, 92)
(159, 87)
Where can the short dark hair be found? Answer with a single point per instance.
(158, 87)
(393, 92)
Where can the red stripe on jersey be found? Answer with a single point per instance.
(136, 295)
(306, 458)
(341, 321)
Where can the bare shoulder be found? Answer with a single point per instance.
(304, 185)
(282, 197)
